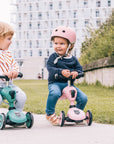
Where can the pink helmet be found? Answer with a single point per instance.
(64, 32)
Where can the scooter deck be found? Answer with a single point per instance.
(70, 120)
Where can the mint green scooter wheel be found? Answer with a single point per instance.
(30, 120)
(2, 121)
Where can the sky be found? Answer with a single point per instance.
(5, 10)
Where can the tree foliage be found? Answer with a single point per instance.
(101, 43)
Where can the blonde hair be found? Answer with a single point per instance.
(5, 29)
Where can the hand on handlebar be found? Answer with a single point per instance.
(66, 73)
(74, 74)
(11, 75)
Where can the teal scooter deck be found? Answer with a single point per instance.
(16, 116)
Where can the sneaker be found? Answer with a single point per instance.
(54, 119)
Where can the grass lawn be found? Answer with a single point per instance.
(100, 99)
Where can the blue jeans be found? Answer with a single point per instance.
(55, 91)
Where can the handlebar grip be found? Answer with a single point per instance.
(7, 79)
(20, 75)
(81, 74)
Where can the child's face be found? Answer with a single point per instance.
(5, 42)
(60, 45)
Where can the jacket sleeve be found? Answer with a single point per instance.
(52, 68)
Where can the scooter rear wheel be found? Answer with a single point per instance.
(30, 120)
(62, 118)
(2, 121)
(89, 117)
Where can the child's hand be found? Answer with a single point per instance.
(66, 73)
(74, 74)
(11, 75)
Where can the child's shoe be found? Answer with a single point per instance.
(54, 119)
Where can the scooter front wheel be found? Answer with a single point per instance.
(2, 121)
(30, 120)
(62, 118)
(89, 117)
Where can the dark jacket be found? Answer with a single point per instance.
(54, 70)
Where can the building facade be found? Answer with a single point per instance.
(34, 21)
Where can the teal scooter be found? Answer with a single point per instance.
(13, 116)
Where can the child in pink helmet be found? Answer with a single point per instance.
(63, 64)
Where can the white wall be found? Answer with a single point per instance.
(31, 67)
(105, 76)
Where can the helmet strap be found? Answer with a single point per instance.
(68, 49)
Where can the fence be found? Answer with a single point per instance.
(101, 70)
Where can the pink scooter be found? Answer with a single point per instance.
(74, 114)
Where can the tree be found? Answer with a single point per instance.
(101, 43)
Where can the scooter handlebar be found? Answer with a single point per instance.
(70, 77)
(79, 75)
(20, 75)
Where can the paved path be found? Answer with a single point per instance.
(43, 132)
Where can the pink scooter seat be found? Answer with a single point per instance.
(66, 93)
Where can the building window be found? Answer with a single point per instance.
(68, 4)
(38, 25)
(51, 24)
(19, 16)
(86, 22)
(85, 3)
(40, 16)
(30, 44)
(98, 23)
(51, 6)
(30, 25)
(19, 54)
(75, 53)
(27, 35)
(60, 5)
(40, 53)
(25, 6)
(47, 53)
(31, 53)
(30, 7)
(63, 14)
(74, 14)
(51, 45)
(97, 13)
(30, 16)
(19, 35)
(17, 43)
(25, 53)
(57, 14)
(74, 23)
(25, 16)
(37, 6)
(17, 8)
(46, 24)
(47, 15)
(39, 34)
(19, 25)
(37, 44)
(45, 62)
(109, 3)
(98, 4)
